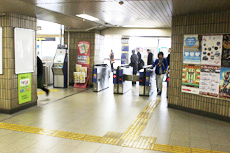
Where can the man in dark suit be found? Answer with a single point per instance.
(150, 57)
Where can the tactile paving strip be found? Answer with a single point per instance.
(137, 127)
(114, 138)
(42, 92)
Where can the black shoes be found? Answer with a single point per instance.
(159, 93)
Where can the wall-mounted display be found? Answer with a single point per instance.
(24, 41)
(191, 52)
(211, 50)
(209, 80)
(224, 85)
(225, 61)
(1, 60)
(190, 78)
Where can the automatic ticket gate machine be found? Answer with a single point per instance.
(146, 82)
(60, 68)
(101, 75)
(122, 79)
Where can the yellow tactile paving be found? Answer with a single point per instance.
(42, 92)
(131, 138)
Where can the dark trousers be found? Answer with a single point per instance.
(111, 67)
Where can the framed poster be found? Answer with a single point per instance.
(191, 51)
(24, 88)
(212, 50)
(225, 61)
(1, 59)
(224, 86)
(24, 43)
(190, 78)
(209, 80)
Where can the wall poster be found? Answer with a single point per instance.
(211, 50)
(125, 50)
(209, 80)
(224, 86)
(225, 61)
(24, 88)
(191, 52)
(190, 78)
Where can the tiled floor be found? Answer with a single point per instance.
(87, 112)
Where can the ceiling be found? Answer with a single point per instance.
(148, 13)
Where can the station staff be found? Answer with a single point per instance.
(161, 68)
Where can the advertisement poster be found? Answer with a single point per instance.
(225, 61)
(209, 80)
(83, 52)
(24, 88)
(224, 86)
(211, 50)
(84, 61)
(192, 52)
(190, 78)
(125, 51)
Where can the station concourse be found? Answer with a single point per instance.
(94, 108)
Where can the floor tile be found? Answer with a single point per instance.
(110, 148)
(131, 150)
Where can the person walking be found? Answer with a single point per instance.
(141, 63)
(150, 57)
(134, 63)
(40, 78)
(111, 59)
(161, 68)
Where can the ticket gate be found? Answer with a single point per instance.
(122, 79)
(146, 82)
(101, 75)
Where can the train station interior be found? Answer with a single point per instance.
(114, 76)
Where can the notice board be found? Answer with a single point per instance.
(24, 88)
(24, 41)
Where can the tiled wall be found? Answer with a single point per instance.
(95, 46)
(9, 80)
(213, 23)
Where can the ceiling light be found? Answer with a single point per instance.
(137, 26)
(87, 17)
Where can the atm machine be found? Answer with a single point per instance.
(60, 68)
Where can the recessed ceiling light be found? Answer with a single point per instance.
(87, 17)
(138, 26)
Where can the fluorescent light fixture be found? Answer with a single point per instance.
(87, 17)
(138, 26)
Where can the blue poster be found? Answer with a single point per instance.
(125, 51)
(224, 87)
(192, 52)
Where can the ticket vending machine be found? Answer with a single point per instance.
(60, 69)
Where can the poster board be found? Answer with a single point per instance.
(24, 88)
(24, 43)
(84, 61)
(1, 59)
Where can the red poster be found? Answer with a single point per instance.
(84, 60)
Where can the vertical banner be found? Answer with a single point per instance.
(124, 50)
(191, 52)
(190, 78)
(209, 80)
(224, 87)
(84, 61)
(24, 88)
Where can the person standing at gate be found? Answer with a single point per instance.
(40, 78)
(111, 59)
(141, 63)
(161, 68)
(134, 63)
(150, 57)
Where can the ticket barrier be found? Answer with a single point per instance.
(146, 82)
(101, 75)
(122, 79)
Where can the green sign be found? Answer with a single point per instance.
(24, 88)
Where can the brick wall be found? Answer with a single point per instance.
(214, 23)
(9, 80)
